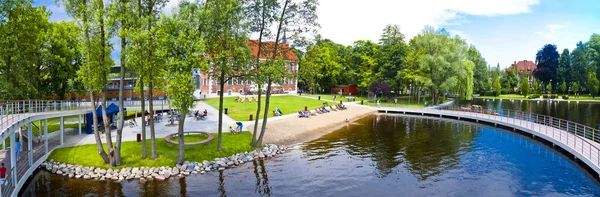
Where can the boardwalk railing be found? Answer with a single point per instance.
(13, 111)
(552, 122)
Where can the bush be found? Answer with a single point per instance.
(551, 96)
(566, 97)
(533, 96)
(489, 93)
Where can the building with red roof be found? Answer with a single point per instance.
(525, 68)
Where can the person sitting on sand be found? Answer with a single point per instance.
(232, 130)
(347, 120)
(279, 111)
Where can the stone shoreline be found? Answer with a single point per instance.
(161, 173)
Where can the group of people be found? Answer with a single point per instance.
(237, 128)
(200, 115)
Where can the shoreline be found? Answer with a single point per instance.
(294, 130)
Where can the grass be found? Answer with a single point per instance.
(506, 96)
(584, 98)
(330, 97)
(402, 102)
(287, 104)
(191, 138)
(87, 155)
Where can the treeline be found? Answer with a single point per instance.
(567, 72)
(39, 58)
(432, 61)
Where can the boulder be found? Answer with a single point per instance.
(142, 180)
(86, 177)
(159, 178)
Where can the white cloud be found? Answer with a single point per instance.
(550, 32)
(350, 20)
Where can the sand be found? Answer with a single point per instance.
(294, 130)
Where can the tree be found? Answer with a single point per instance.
(563, 88)
(226, 39)
(441, 62)
(179, 42)
(260, 15)
(509, 79)
(390, 56)
(381, 88)
(550, 88)
(298, 17)
(497, 86)
(575, 88)
(465, 84)
(579, 71)
(593, 84)
(564, 67)
(524, 87)
(547, 63)
(481, 80)
(60, 58)
(536, 87)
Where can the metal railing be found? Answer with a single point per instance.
(13, 111)
(581, 138)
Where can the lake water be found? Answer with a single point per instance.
(379, 155)
(587, 113)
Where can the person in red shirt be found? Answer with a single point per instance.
(2, 171)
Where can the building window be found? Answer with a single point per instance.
(291, 66)
(249, 66)
(290, 81)
(249, 81)
(218, 82)
(218, 92)
(240, 91)
(239, 81)
(230, 81)
(283, 81)
(229, 92)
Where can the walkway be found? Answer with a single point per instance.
(577, 139)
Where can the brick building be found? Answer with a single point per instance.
(209, 86)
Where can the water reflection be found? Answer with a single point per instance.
(380, 155)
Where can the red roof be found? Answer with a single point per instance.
(268, 48)
(524, 67)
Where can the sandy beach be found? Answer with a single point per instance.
(295, 130)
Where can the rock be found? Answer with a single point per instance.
(149, 178)
(186, 173)
(142, 180)
(207, 169)
(121, 178)
(102, 171)
(71, 175)
(137, 176)
(167, 176)
(183, 168)
(261, 155)
(78, 170)
(230, 163)
(221, 168)
(180, 176)
(202, 172)
(78, 176)
(159, 178)
(59, 172)
(102, 178)
(109, 171)
(86, 177)
(135, 170)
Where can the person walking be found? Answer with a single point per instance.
(2, 172)
(334, 97)
(395, 101)
(379, 102)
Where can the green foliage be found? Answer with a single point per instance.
(566, 97)
(550, 88)
(563, 88)
(564, 67)
(509, 79)
(465, 84)
(441, 63)
(497, 86)
(575, 87)
(536, 87)
(534, 96)
(593, 84)
(86, 155)
(524, 87)
(321, 65)
(481, 76)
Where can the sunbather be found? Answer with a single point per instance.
(330, 107)
(301, 114)
(325, 109)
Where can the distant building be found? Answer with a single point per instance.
(205, 84)
(345, 89)
(525, 68)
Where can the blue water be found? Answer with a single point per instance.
(380, 155)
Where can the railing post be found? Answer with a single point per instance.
(29, 143)
(62, 129)
(46, 135)
(13, 156)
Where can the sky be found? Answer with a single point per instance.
(504, 31)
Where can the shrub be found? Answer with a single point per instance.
(551, 96)
(566, 97)
(533, 96)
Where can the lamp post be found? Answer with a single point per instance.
(131, 95)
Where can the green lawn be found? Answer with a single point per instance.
(191, 138)
(87, 155)
(402, 102)
(287, 104)
(330, 97)
(584, 98)
(506, 96)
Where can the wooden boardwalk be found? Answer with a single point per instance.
(577, 139)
